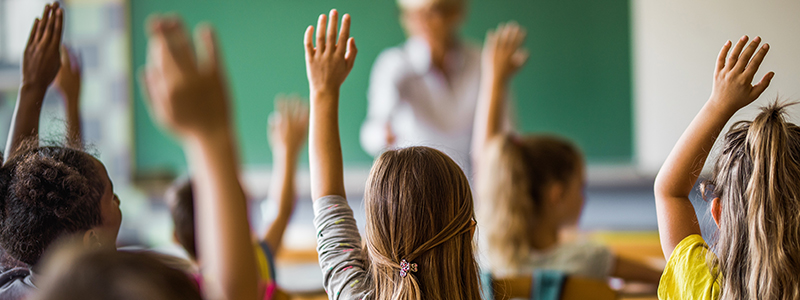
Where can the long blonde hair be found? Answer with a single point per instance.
(756, 178)
(512, 177)
(419, 208)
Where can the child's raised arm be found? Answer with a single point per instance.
(189, 97)
(731, 91)
(40, 64)
(503, 56)
(327, 66)
(68, 81)
(288, 128)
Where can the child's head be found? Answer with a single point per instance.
(180, 199)
(525, 183)
(437, 21)
(419, 209)
(49, 192)
(757, 208)
(75, 272)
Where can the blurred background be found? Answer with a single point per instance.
(622, 78)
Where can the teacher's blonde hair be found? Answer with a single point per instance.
(417, 4)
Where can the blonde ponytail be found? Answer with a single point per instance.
(511, 181)
(756, 178)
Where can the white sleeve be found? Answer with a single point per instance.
(383, 98)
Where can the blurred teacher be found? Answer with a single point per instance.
(424, 92)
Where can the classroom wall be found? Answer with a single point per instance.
(675, 45)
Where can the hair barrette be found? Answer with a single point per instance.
(405, 267)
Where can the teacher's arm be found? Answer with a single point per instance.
(377, 133)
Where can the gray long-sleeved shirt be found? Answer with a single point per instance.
(341, 257)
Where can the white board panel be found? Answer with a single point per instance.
(675, 46)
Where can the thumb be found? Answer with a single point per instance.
(761, 85)
(520, 57)
(209, 56)
(350, 55)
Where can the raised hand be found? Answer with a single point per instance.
(40, 64)
(288, 126)
(503, 54)
(329, 63)
(187, 94)
(68, 79)
(731, 91)
(41, 60)
(327, 66)
(733, 76)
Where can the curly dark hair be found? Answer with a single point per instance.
(46, 193)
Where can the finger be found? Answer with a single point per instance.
(308, 41)
(49, 28)
(333, 23)
(160, 58)
(723, 53)
(58, 28)
(211, 58)
(272, 121)
(280, 106)
(344, 34)
(512, 35)
(350, 55)
(321, 28)
(43, 23)
(752, 68)
(735, 53)
(66, 60)
(762, 85)
(177, 42)
(741, 64)
(520, 37)
(145, 77)
(32, 36)
(507, 30)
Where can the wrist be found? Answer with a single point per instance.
(721, 105)
(320, 93)
(495, 79)
(202, 138)
(32, 87)
(73, 107)
(27, 91)
(284, 156)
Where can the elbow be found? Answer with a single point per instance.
(659, 187)
(665, 187)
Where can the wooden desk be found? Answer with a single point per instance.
(640, 246)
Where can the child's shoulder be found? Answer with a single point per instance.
(688, 267)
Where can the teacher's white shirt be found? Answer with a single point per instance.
(423, 108)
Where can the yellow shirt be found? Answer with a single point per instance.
(687, 275)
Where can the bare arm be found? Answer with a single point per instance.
(327, 66)
(632, 270)
(288, 128)
(503, 56)
(189, 97)
(40, 65)
(732, 90)
(68, 81)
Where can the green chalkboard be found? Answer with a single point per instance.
(577, 83)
